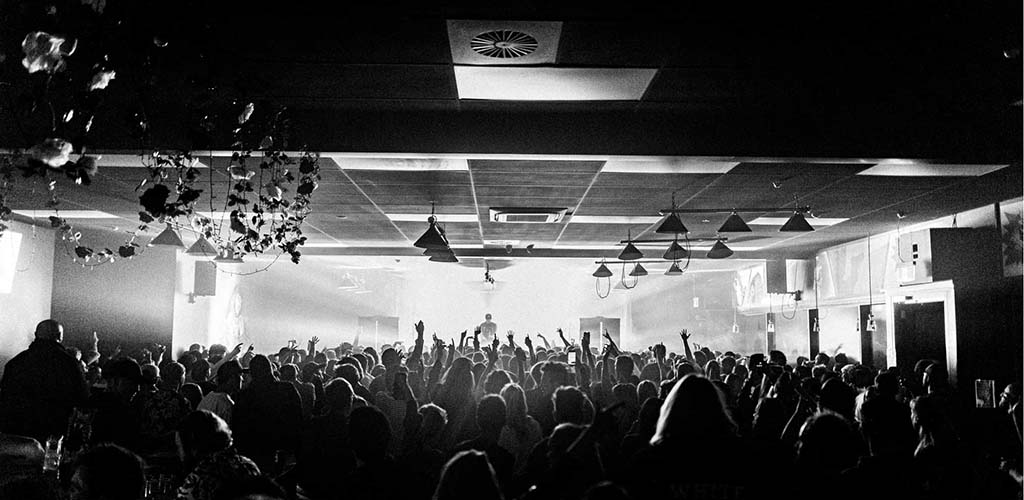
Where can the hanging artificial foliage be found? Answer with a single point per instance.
(69, 65)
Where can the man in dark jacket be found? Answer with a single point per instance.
(267, 416)
(41, 386)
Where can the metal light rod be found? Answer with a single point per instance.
(670, 240)
(804, 209)
(638, 261)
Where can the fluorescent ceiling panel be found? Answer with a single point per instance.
(814, 221)
(440, 217)
(668, 166)
(614, 219)
(68, 214)
(504, 83)
(904, 168)
(401, 164)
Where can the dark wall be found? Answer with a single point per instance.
(129, 302)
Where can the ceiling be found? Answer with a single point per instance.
(803, 96)
(381, 211)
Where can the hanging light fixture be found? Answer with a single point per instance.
(448, 256)
(201, 248)
(674, 270)
(638, 270)
(675, 252)
(167, 238)
(227, 256)
(734, 224)
(796, 223)
(671, 223)
(719, 251)
(630, 252)
(602, 272)
(433, 238)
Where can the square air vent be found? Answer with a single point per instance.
(503, 43)
(527, 215)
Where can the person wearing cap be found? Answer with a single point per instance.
(229, 381)
(116, 421)
(41, 386)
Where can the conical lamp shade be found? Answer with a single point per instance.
(448, 256)
(796, 223)
(168, 238)
(201, 248)
(675, 252)
(734, 224)
(602, 272)
(671, 224)
(431, 238)
(430, 252)
(638, 270)
(674, 270)
(719, 251)
(227, 256)
(630, 253)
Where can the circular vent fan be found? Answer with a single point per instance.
(503, 44)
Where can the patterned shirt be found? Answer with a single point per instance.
(214, 471)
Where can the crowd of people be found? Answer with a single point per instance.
(518, 417)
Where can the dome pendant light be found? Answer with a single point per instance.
(734, 224)
(167, 238)
(797, 223)
(675, 252)
(630, 252)
(201, 248)
(671, 224)
(719, 251)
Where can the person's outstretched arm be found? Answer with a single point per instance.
(659, 358)
(547, 346)
(227, 357)
(92, 355)
(417, 350)
(611, 344)
(476, 339)
(588, 357)
(686, 344)
(451, 354)
(462, 342)
(529, 346)
(561, 335)
(606, 371)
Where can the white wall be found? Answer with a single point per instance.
(26, 259)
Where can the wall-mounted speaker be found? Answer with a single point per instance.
(205, 282)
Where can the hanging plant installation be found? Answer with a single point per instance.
(72, 55)
(259, 215)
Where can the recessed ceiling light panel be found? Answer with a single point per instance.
(516, 83)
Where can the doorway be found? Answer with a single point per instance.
(919, 333)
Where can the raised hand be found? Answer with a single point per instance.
(528, 342)
(314, 340)
(419, 328)
(495, 343)
(462, 335)
(585, 341)
(251, 348)
(237, 349)
(685, 336)
(511, 338)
